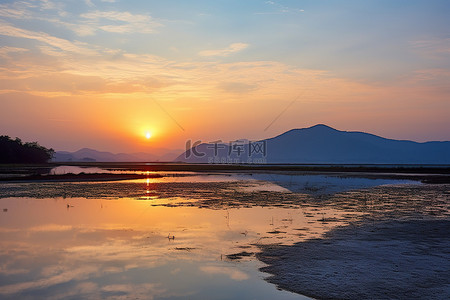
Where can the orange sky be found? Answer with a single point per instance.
(103, 75)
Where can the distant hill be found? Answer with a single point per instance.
(90, 155)
(322, 144)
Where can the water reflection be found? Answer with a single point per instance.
(61, 170)
(103, 248)
(173, 237)
(320, 184)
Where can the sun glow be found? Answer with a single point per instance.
(148, 135)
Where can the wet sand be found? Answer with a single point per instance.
(407, 259)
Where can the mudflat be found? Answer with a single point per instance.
(394, 259)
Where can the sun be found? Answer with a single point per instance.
(148, 135)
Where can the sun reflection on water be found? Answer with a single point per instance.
(94, 239)
(155, 237)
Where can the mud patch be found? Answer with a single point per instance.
(383, 260)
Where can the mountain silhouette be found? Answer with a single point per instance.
(323, 145)
(89, 155)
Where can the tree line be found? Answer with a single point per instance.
(15, 151)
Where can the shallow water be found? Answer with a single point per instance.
(101, 248)
(61, 170)
(175, 237)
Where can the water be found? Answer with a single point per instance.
(192, 236)
(98, 248)
(60, 170)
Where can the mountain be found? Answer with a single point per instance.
(89, 155)
(321, 144)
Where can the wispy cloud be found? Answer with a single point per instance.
(108, 21)
(48, 4)
(59, 43)
(144, 290)
(79, 273)
(233, 48)
(277, 8)
(436, 47)
(437, 79)
(5, 50)
(83, 25)
(230, 272)
(237, 87)
(16, 11)
(89, 3)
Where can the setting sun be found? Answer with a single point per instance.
(167, 134)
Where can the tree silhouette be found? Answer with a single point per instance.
(15, 151)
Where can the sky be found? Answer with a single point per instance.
(104, 73)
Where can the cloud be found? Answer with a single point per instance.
(117, 72)
(434, 81)
(233, 48)
(30, 9)
(54, 67)
(432, 48)
(83, 25)
(89, 3)
(55, 42)
(136, 291)
(6, 50)
(90, 289)
(116, 16)
(14, 13)
(279, 9)
(230, 272)
(56, 82)
(108, 21)
(82, 30)
(47, 4)
(79, 273)
(50, 228)
(237, 87)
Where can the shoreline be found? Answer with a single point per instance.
(176, 166)
(78, 177)
(425, 174)
(392, 259)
